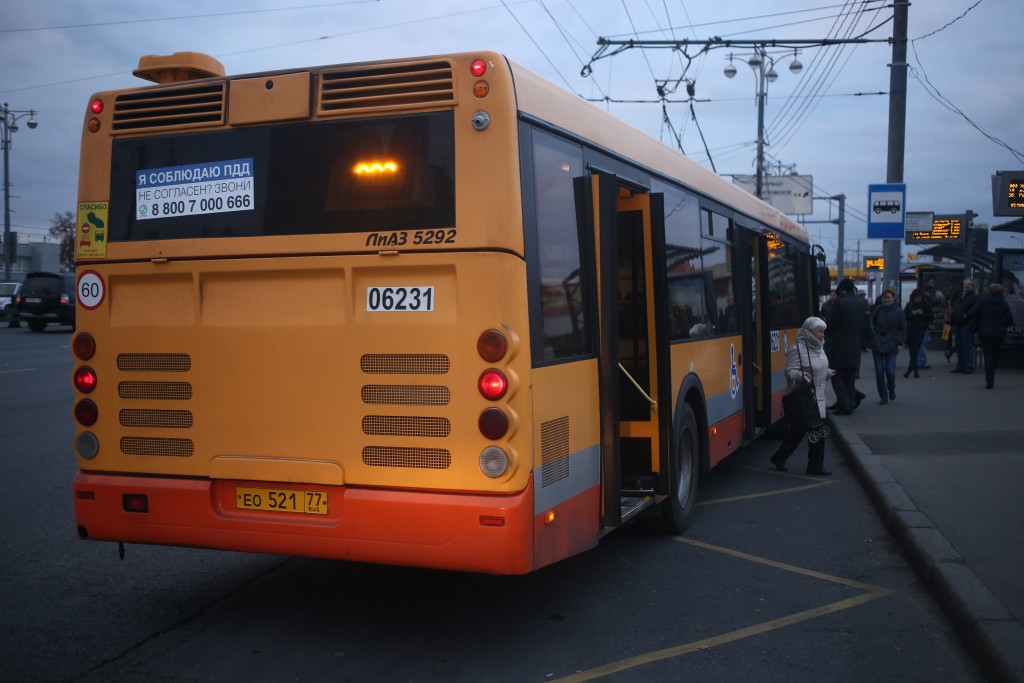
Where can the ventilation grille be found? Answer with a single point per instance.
(390, 86)
(420, 458)
(554, 451)
(172, 419)
(181, 107)
(386, 425)
(405, 364)
(154, 362)
(403, 395)
(142, 445)
(155, 391)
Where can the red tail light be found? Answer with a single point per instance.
(65, 299)
(492, 384)
(85, 379)
(84, 346)
(493, 423)
(86, 412)
(135, 502)
(478, 67)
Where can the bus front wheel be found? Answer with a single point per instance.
(677, 510)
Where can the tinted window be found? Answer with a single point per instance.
(717, 261)
(687, 308)
(302, 179)
(564, 299)
(783, 298)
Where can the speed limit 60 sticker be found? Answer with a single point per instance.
(91, 289)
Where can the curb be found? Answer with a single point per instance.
(993, 637)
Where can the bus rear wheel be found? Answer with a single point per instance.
(677, 509)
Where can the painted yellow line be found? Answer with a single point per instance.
(871, 593)
(818, 482)
(708, 643)
(782, 565)
(776, 492)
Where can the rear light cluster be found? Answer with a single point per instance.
(96, 108)
(494, 384)
(481, 120)
(86, 411)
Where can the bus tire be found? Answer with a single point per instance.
(677, 509)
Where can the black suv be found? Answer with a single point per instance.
(47, 298)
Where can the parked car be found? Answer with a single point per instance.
(47, 298)
(8, 299)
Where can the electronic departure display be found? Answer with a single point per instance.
(1008, 193)
(946, 229)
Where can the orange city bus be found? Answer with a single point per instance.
(433, 312)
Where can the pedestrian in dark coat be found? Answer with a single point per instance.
(991, 316)
(890, 328)
(960, 318)
(846, 326)
(919, 315)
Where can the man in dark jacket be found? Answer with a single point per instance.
(991, 315)
(963, 337)
(846, 327)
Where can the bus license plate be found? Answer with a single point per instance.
(417, 299)
(281, 500)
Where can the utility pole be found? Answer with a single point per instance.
(897, 131)
(968, 230)
(840, 237)
(841, 233)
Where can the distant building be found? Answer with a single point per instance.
(34, 256)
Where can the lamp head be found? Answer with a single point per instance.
(32, 123)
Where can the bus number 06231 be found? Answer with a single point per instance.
(417, 299)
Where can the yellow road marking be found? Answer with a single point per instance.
(817, 482)
(871, 593)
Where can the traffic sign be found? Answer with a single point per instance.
(886, 211)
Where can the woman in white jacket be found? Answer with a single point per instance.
(806, 370)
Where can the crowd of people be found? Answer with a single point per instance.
(829, 348)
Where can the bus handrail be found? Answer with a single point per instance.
(654, 404)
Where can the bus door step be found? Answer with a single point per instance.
(631, 507)
(637, 485)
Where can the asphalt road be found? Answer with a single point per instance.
(781, 578)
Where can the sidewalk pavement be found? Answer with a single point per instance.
(944, 465)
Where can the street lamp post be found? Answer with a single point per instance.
(10, 126)
(758, 62)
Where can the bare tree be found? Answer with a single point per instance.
(62, 226)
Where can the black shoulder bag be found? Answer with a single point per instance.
(803, 402)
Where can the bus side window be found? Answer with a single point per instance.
(563, 286)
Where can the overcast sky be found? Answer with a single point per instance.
(964, 89)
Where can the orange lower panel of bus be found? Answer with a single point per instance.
(465, 532)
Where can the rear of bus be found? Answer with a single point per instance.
(302, 319)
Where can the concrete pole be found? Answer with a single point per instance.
(897, 130)
(761, 94)
(841, 236)
(968, 233)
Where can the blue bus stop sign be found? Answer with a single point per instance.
(887, 210)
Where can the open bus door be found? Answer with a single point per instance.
(752, 276)
(634, 369)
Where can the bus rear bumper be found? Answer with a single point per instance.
(467, 532)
